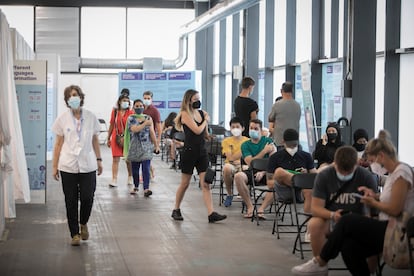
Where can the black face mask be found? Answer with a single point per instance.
(196, 105)
(359, 147)
(332, 136)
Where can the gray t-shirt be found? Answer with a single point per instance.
(327, 184)
(285, 114)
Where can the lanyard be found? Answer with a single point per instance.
(78, 124)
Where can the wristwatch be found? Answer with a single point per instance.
(99, 159)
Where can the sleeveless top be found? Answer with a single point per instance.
(193, 140)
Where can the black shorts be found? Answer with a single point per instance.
(193, 157)
(262, 181)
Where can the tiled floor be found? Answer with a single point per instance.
(134, 235)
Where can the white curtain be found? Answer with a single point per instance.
(13, 161)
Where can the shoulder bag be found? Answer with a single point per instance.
(119, 137)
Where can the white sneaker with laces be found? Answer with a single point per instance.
(311, 267)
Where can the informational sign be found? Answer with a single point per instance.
(31, 87)
(307, 125)
(331, 93)
(168, 88)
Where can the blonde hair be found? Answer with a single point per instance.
(185, 107)
(382, 143)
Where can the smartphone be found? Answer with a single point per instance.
(357, 195)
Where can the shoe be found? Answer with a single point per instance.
(261, 216)
(147, 193)
(173, 166)
(213, 217)
(76, 240)
(307, 237)
(228, 201)
(136, 189)
(84, 232)
(132, 191)
(176, 214)
(311, 267)
(113, 184)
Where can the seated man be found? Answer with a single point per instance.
(231, 148)
(332, 197)
(283, 165)
(257, 147)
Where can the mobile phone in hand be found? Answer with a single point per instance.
(357, 195)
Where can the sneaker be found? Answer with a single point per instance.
(228, 201)
(84, 232)
(311, 267)
(213, 217)
(176, 214)
(307, 237)
(75, 240)
(113, 184)
(132, 191)
(147, 193)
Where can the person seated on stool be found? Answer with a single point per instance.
(231, 148)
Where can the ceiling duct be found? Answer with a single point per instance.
(218, 12)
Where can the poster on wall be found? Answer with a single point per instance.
(168, 88)
(331, 93)
(31, 88)
(303, 94)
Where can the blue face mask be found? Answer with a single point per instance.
(147, 102)
(344, 178)
(254, 134)
(139, 110)
(74, 102)
(125, 105)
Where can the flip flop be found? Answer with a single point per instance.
(248, 215)
(261, 216)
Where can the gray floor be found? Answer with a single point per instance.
(133, 235)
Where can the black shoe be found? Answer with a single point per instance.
(147, 193)
(176, 214)
(173, 166)
(215, 217)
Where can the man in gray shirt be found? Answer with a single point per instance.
(285, 114)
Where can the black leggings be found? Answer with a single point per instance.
(357, 237)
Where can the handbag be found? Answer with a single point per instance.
(119, 137)
(395, 251)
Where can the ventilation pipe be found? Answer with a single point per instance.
(218, 12)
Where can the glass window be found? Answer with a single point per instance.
(279, 77)
(406, 132)
(214, 114)
(327, 26)
(156, 32)
(407, 23)
(262, 33)
(379, 94)
(303, 30)
(341, 29)
(380, 25)
(216, 48)
(22, 19)
(229, 68)
(280, 33)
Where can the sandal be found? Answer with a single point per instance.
(248, 215)
(260, 215)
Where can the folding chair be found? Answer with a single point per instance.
(179, 136)
(257, 191)
(410, 235)
(301, 181)
(103, 133)
(216, 159)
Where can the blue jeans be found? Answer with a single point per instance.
(145, 173)
(75, 186)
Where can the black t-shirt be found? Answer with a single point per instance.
(282, 159)
(243, 107)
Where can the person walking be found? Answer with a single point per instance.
(77, 160)
(194, 122)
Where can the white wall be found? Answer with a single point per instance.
(101, 92)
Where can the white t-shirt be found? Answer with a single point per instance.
(77, 154)
(406, 173)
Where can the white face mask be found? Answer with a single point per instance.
(292, 151)
(147, 102)
(236, 132)
(125, 105)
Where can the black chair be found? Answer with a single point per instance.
(410, 235)
(301, 181)
(216, 159)
(178, 136)
(256, 190)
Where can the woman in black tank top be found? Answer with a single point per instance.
(194, 122)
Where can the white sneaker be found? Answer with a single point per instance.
(311, 267)
(307, 237)
(113, 184)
